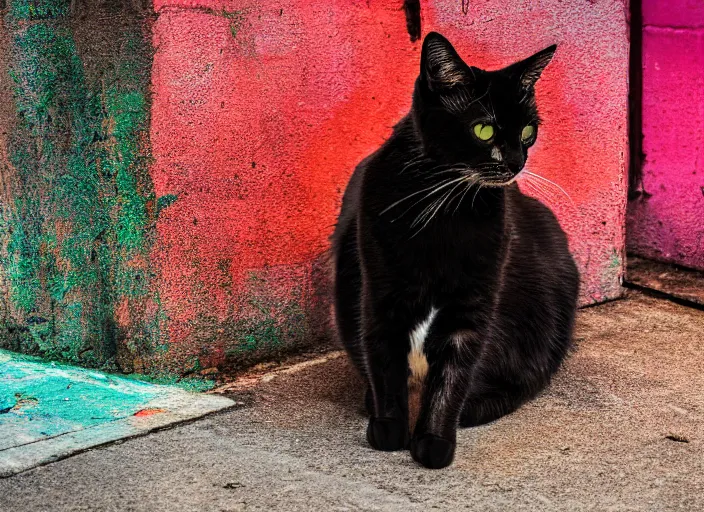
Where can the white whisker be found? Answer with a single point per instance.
(538, 190)
(471, 180)
(435, 190)
(428, 209)
(538, 176)
(414, 162)
(467, 189)
(431, 210)
(452, 191)
(475, 194)
(415, 194)
(432, 214)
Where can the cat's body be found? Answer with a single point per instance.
(480, 284)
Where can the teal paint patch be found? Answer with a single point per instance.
(615, 260)
(271, 318)
(38, 10)
(52, 269)
(165, 201)
(43, 402)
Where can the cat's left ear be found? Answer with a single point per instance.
(532, 67)
(441, 68)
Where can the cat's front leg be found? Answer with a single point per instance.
(386, 347)
(450, 364)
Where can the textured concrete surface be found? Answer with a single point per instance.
(677, 282)
(665, 222)
(620, 429)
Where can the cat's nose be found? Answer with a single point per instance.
(515, 162)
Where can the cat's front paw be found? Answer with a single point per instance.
(387, 434)
(432, 451)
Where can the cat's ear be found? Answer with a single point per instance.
(441, 68)
(532, 67)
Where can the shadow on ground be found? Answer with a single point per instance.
(621, 428)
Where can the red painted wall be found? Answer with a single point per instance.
(262, 109)
(667, 222)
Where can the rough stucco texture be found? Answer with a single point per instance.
(261, 110)
(665, 222)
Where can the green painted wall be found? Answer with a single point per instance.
(80, 265)
(78, 223)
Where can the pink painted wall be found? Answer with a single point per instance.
(261, 110)
(667, 223)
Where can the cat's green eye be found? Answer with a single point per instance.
(528, 133)
(484, 132)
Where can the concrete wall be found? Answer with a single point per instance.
(667, 221)
(259, 112)
(78, 204)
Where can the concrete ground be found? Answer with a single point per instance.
(620, 429)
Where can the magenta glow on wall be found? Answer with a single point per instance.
(667, 221)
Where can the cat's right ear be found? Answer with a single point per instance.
(441, 68)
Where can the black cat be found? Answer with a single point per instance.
(439, 257)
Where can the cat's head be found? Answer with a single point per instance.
(483, 120)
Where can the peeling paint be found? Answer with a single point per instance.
(80, 235)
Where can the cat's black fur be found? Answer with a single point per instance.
(491, 261)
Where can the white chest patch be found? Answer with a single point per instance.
(416, 357)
